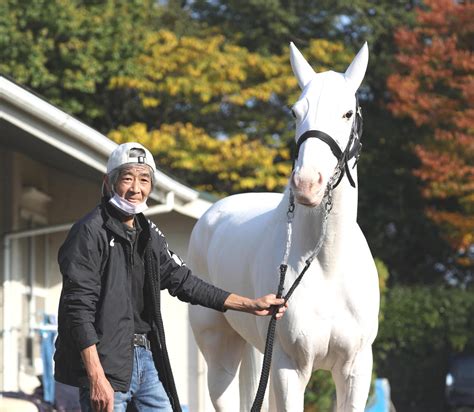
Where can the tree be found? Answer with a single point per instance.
(268, 26)
(390, 207)
(68, 51)
(422, 327)
(434, 88)
(265, 26)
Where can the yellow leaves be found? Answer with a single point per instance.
(166, 40)
(235, 73)
(325, 55)
(205, 70)
(271, 183)
(252, 60)
(119, 82)
(458, 228)
(230, 165)
(323, 50)
(209, 68)
(136, 132)
(247, 184)
(150, 101)
(284, 168)
(217, 84)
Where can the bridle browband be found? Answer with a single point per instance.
(352, 149)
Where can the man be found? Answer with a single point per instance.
(114, 263)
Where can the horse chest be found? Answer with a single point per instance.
(321, 325)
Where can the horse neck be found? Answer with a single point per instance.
(307, 226)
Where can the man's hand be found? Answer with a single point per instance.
(263, 306)
(267, 304)
(102, 395)
(101, 392)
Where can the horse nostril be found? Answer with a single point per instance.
(320, 179)
(301, 182)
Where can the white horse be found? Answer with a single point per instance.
(238, 245)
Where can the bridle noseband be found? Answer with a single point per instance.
(352, 149)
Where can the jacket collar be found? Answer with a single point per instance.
(112, 220)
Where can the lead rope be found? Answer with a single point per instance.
(267, 357)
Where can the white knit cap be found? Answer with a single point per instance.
(121, 156)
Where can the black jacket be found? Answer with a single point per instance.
(96, 300)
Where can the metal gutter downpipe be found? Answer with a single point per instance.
(6, 332)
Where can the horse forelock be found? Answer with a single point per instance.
(322, 105)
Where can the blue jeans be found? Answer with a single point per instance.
(146, 391)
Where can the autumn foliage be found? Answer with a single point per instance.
(435, 88)
(231, 165)
(217, 115)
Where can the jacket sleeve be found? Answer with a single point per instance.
(178, 279)
(80, 264)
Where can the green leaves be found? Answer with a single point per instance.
(67, 50)
(422, 326)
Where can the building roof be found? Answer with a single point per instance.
(38, 127)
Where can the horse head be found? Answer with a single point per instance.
(327, 112)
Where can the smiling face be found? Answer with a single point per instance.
(327, 104)
(134, 183)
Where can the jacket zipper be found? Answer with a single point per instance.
(128, 249)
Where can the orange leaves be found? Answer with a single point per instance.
(459, 228)
(435, 88)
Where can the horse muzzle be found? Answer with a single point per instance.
(307, 191)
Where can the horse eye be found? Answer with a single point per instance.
(293, 113)
(348, 115)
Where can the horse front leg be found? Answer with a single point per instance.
(288, 383)
(352, 378)
(222, 349)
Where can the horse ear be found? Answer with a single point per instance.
(301, 68)
(356, 71)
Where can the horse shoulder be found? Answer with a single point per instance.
(229, 232)
(234, 216)
(242, 206)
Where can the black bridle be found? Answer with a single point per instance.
(352, 149)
